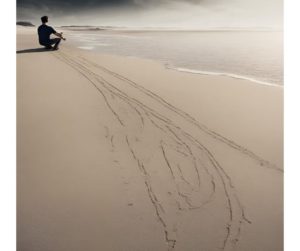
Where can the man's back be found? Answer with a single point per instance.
(44, 32)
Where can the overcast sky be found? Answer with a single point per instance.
(155, 13)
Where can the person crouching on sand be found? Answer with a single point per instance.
(44, 32)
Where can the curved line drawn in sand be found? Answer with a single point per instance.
(197, 178)
(188, 117)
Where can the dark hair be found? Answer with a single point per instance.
(44, 19)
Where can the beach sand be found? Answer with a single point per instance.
(120, 153)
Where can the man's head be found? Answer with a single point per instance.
(44, 19)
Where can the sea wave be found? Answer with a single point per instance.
(193, 71)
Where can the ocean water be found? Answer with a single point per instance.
(253, 55)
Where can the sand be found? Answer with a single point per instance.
(119, 153)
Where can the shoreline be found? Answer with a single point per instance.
(263, 70)
(168, 66)
(231, 75)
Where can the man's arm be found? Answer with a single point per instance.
(59, 35)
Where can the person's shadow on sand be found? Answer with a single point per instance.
(33, 50)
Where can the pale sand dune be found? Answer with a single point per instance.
(121, 154)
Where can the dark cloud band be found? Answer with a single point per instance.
(69, 5)
(98, 3)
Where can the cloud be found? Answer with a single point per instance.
(196, 13)
(28, 9)
(101, 3)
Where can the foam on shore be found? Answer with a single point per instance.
(223, 74)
